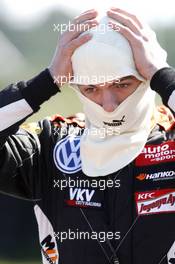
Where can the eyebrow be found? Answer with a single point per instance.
(120, 80)
(127, 77)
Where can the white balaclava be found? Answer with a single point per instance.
(110, 140)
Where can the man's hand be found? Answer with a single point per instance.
(61, 67)
(148, 55)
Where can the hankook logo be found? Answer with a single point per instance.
(162, 175)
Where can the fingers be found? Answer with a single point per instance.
(79, 25)
(91, 14)
(132, 22)
(76, 43)
(72, 38)
(133, 38)
(125, 20)
(135, 18)
(80, 28)
(76, 30)
(90, 10)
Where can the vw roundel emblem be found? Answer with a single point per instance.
(67, 154)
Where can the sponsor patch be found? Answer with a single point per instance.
(171, 255)
(155, 202)
(49, 250)
(115, 122)
(157, 176)
(32, 128)
(82, 198)
(67, 154)
(48, 244)
(154, 154)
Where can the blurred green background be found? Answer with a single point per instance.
(29, 51)
(25, 50)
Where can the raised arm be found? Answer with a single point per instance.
(21, 151)
(150, 58)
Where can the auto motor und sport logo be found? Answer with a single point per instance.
(154, 154)
(67, 154)
(157, 176)
(155, 202)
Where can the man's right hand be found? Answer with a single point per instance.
(61, 66)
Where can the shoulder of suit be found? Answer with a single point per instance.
(32, 127)
(75, 120)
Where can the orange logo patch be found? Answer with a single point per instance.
(141, 176)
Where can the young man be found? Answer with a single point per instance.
(131, 220)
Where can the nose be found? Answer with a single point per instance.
(109, 101)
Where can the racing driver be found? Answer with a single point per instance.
(115, 70)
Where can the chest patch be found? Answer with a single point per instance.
(67, 154)
(155, 202)
(84, 198)
(156, 176)
(155, 154)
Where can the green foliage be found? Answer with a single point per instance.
(166, 37)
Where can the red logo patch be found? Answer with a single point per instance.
(156, 201)
(154, 154)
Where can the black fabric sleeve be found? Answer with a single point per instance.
(163, 82)
(20, 149)
(39, 89)
(19, 101)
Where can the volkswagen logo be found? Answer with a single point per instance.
(67, 154)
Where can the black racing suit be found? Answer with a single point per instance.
(129, 218)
